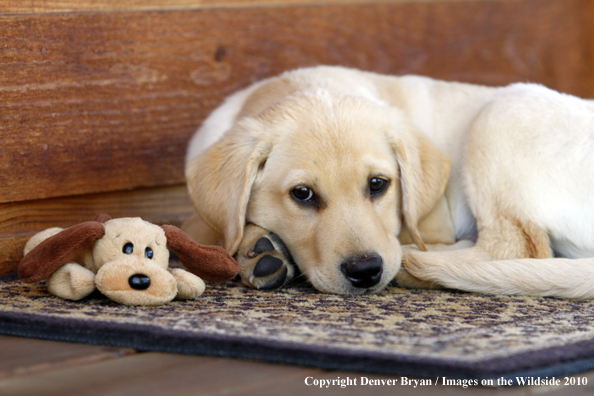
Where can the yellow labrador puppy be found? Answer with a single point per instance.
(334, 170)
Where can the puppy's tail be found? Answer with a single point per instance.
(555, 277)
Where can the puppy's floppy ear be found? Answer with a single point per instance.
(211, 263)
(424, 174)
(220, 182)
(57, 250)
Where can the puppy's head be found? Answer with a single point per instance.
(334, 176)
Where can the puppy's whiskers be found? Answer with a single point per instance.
(301, 280)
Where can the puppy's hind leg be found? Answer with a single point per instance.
(501, 184)
(264, 261)
(404, 277)
(480, 268)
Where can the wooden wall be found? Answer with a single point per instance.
(99, 98)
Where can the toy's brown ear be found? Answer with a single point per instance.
(211, 263)
(102, 218)
(57, 250)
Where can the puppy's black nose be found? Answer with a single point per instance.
(363, 271)
(139, 282)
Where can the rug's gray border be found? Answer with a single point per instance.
(549, 362)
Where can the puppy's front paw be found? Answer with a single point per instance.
(264, 261)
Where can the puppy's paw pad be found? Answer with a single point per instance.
(266, 263)
(277, 281)
(263, 245)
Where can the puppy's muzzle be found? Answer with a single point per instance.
(363, 271)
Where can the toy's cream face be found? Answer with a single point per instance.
(132, 238)
(131, 261)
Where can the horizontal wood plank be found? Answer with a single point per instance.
(156, 374)
(49, 6)
(19, 221)
(107, 101)
(151, 374)
(25, 356)
(48, 367)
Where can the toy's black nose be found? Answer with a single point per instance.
(363, 271)
(139, 282)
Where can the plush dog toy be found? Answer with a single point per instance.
(127, 259)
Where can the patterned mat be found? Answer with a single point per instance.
(406, 332)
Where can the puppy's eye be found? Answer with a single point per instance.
(128, 248)
(303, 194)
(148, 253)
(377, 185)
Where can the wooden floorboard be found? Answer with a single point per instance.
(26, 357)
(153, 374)
(36, 367)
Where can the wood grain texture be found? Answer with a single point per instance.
(158, 374)
(19, 221)
(149, 374)
(107, 101)
(153, 374)
(49, 6)
(23, 357)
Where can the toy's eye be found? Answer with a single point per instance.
(148, 253)
(128, 248)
